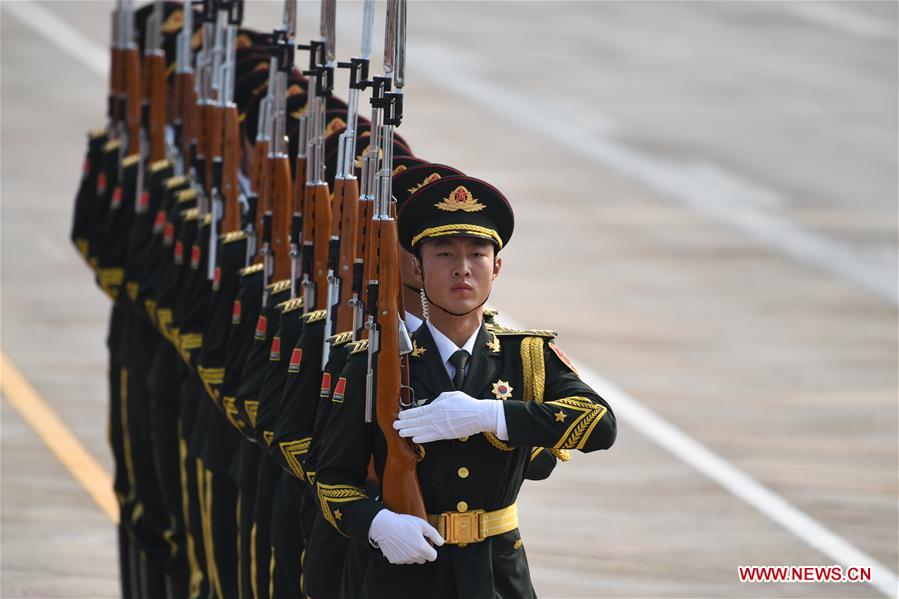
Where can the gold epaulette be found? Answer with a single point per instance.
(173, 182)
(501, 330)
(251, 269)
(159, 165)
(291, 305)
(97, 133)
(314, 316)
(130, 160)
(186, 195)
(279, 286)
(357, 347)
(491, 312)
(340, 338)
(232, 236)
(190, 214)
(111, 145)
(207, 220)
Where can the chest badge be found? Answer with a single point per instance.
(502, 389)
(416, 350)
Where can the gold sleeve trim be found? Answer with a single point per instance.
(575, 437)
(292, 450)
(231, 413)
(336, 494)
(267, 436)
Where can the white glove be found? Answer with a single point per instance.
(401, 538)
(452, 415)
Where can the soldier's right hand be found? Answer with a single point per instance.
(403, 539)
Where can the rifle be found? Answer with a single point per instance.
(153, 112)
(387, 382)
(342, 251)
(184, 93)
(130, 91)
(223, 113)
(113, 113)
(316, 196)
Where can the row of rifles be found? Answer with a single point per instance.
(240, 218)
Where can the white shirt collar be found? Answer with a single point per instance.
(412, 322)
(446, 347)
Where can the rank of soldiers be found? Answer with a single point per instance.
(308, 397)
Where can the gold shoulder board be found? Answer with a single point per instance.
(186, 195)
(111, 145)
(159, 165)
(501, 331)
(252, 268)
(173, 182)
(279, 286)
(314, 316)
(340, 338)
(97, 133)
(130, 160)
(190, 214)
(233, 236)
(359, 346)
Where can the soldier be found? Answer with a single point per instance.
(485, 396)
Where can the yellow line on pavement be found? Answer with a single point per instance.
(16, 389)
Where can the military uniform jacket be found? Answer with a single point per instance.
(546, 405)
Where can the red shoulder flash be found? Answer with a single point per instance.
(275, 353)
(116, 197)
(260, 328)
(216, 278)
(561, 355)
(326, 385)
(295, 358)
(144, 201)
(339, 390)
(235, 312)
(195, 252)
(101, 183)
(160, 221)
(179, 252)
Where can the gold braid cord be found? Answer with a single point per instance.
(533, 376)
(575, 437)
(292, 450)
(329, 495)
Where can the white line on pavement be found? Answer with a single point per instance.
(706, 188)
(661, 432)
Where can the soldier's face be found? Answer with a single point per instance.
(458, 271)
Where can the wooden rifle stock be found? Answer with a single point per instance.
(321, 232)
(345, 222)
(156, 95)
(133, 98)
(282, 203)
(213, 139)
(400, 489)
(230, 165)
(116, 87)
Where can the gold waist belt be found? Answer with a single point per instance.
(473, 526)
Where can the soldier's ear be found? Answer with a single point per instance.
(416, 266)
(497, 265)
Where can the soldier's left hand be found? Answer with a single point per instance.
(452, 415)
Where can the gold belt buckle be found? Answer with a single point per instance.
(463, 527)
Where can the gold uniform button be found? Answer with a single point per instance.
(461, 507)
(464, 439)
(462, 472)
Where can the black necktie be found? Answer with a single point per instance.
(459, 359)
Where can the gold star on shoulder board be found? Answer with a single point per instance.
(338, 514)
(502, 389)
(416, 350)
(493, 344)
(561, 416)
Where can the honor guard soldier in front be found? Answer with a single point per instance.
(484, 399)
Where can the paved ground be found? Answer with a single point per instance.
(706, 211)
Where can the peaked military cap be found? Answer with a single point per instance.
(457, 205)
(413, 178)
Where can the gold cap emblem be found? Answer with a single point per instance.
(460, 199)
(430, 179)
(174, 23)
